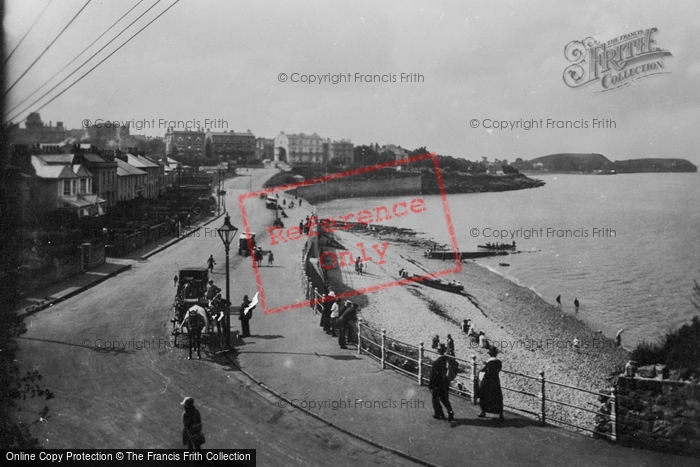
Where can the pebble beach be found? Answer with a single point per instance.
(531, 334)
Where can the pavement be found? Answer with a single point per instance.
(289, 353)
(302, 369)
(63, 290)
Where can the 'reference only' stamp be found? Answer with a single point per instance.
(408, 203)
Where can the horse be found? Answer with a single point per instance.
(195, 323)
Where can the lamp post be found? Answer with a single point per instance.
(227, 232)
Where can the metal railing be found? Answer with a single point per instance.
(549, 402)
(532, 396)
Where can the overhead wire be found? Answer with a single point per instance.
(87, 61)
(28, 31)
(104, 59)
(47, 48)
(74, 59)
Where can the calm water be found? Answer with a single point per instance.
(639, 277)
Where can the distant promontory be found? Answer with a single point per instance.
(597, 163)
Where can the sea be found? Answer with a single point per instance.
(627, 246)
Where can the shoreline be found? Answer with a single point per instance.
(532, 334)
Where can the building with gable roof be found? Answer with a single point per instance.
(131, 181)
(153, 186)
(62, 183)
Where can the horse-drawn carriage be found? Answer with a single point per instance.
(196, 318)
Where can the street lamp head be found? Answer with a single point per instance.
(227, 231)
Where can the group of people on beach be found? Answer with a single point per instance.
(577, 304)
(338, 319)
(478, 337)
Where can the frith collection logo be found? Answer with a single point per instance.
(615, 63)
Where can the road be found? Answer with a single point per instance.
(126, 392)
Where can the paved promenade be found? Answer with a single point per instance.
(290, 354)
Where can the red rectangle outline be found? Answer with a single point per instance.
(307, 303)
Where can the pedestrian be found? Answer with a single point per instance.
(211, 263)
(357, 265)
(299, 203)
(559, 301)
(211, 292)
(466, 326)
(436, 342)
(270, 258)
(618, 337)
(175, 281)
(441, 374)
(576, 304)
(490, 393)
(450, 346)
(326, 313)
(259, 256)
(217, 314)
(577, 344)
(245, 315)
(333, 318)
(345, 320)
(483, 342)
(192, 435)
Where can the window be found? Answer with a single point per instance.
(83, 185)
(66, 187)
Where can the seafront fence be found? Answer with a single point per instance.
(535, 397)
(532, 396)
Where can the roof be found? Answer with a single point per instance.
(124, 169)
(43, 170)
(83, 201)
(93, 157)
(81, 171)
(141, 161)
(56, 158)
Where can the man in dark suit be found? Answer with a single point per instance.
(244, 316)
(442, 373)
(347, 317)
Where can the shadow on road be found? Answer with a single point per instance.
(494, 422)
(274, 336)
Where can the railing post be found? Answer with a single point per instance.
(420, 364)
(359, 336)
(315, 298)
(383, 347)
(475, 381)
(543, 398)
(613, 414)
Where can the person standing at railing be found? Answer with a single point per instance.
(490, 393)
(326, 313)
(443, 371)
(450, 346)
(345, 321)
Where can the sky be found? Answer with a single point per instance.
(478, 62)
